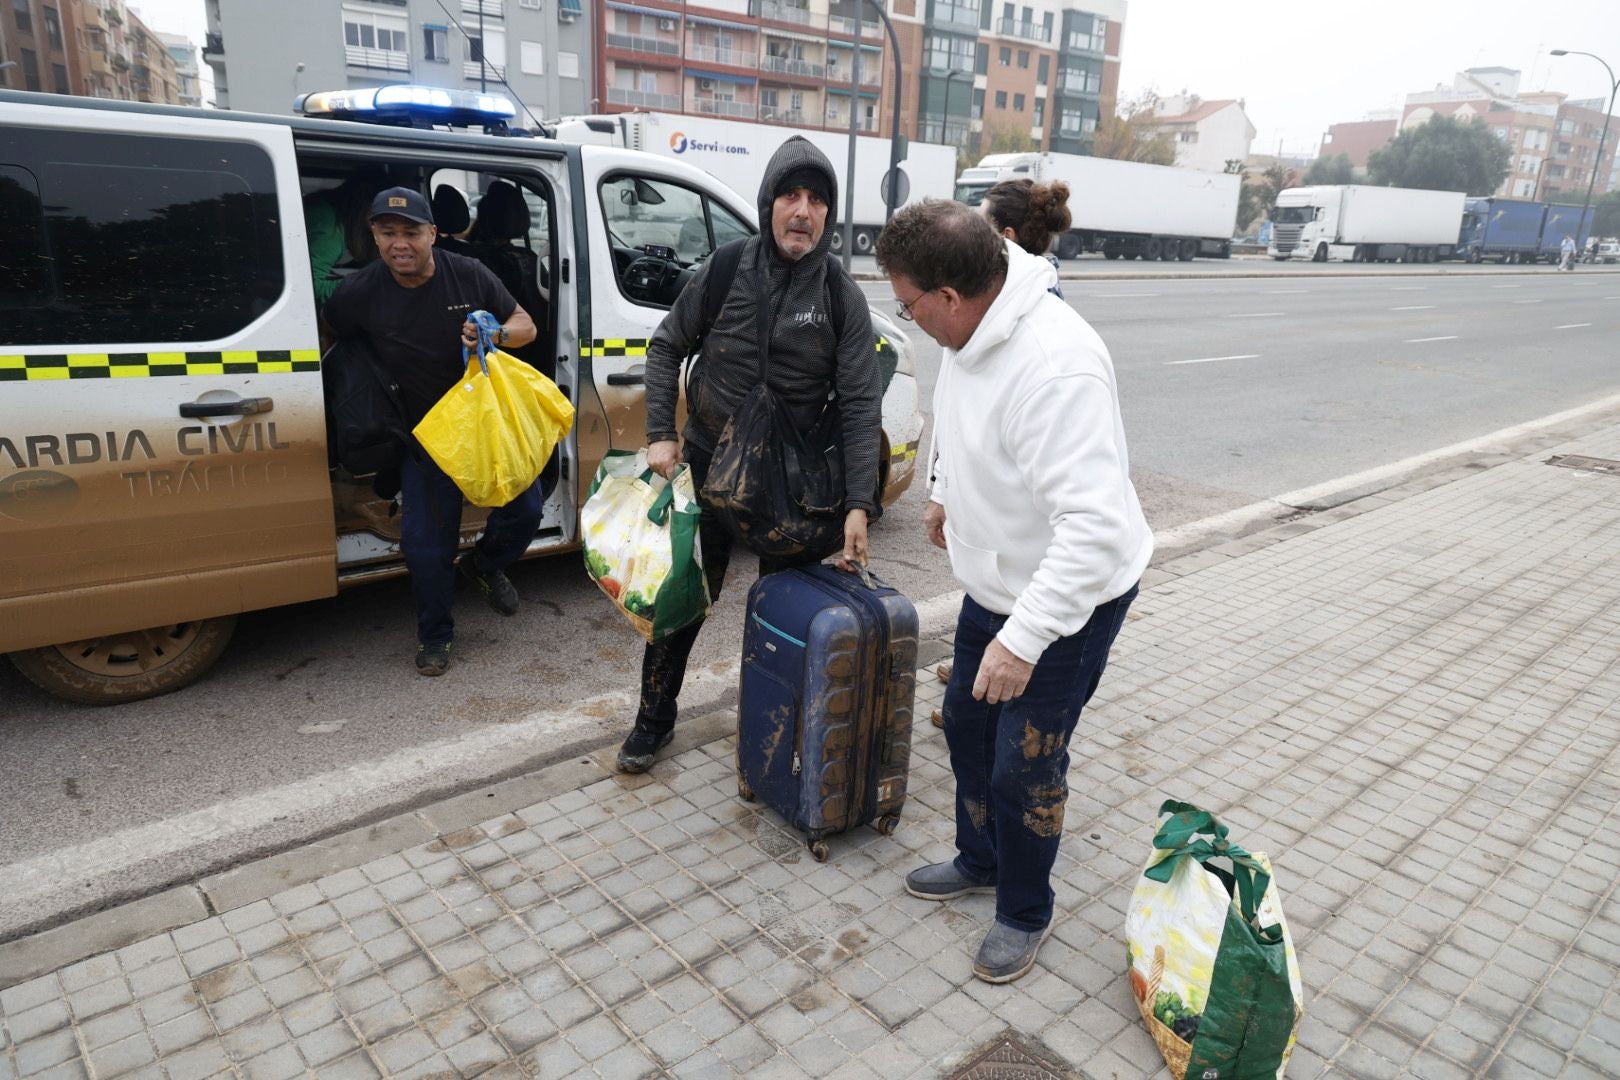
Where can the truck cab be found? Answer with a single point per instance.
(163, 428)
(1303, 224)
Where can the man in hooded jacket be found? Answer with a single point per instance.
(785, 268)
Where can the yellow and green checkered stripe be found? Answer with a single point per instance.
(615, 347)
(905, 451)
(33, 367)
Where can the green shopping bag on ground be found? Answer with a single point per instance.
(640, 536)
(1211, 963)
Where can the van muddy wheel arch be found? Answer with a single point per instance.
(138, 664)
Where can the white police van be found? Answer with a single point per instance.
(163, 459)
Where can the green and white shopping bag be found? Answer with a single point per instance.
(1211, 962)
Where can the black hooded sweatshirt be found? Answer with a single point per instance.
(808, 358)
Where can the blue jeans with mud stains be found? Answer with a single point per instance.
(1011, 760)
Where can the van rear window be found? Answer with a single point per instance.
(128, 239)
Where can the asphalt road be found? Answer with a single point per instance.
(1233, 389)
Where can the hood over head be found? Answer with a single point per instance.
(1029, 279)
(797, 155)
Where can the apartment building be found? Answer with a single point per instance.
(1552, 142)
(264, 55)
(188, 75)
(94, 48)
(1357, 139)
(971, 68)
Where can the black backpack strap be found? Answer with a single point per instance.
(717, 285)
(835, 291)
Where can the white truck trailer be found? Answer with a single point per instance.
(736, 153)
(1124, 209)
(1365, 224)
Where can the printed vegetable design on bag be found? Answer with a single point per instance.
(1209, 957)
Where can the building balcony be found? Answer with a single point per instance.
(838, 24)
(771, 114)
(708, 54)
(473, 69)
(214, 45)
(789, 66)
(1026, 30)
(490, 9)
(1076, 84)
(114, 15)
(376, 59)
(783, 12)
(871, 72)
(647, 45)
(639, 99)
(737, 110)
(119, 62)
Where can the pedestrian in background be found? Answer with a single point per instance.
(1031, 215)
(1566, 253)
(1032, 499)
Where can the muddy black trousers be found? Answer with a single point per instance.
(1011, 760)
(663, 666)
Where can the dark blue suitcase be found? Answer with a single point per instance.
(829, 677)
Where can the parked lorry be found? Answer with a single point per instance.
(1365, 224)
(1507, 230)
(163, 431)
(1563, 221)
(736, 152)
(1124, 209)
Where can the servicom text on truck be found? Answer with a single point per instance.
(736, 152)
(163, 445)
(1124, 209)
(1365, 224)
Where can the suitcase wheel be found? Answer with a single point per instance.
(745, 792)
(819, 850)
(887, 824)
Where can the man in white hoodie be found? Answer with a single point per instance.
(1032, 499)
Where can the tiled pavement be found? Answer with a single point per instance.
(1411, 707)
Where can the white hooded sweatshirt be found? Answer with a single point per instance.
(1042, 523)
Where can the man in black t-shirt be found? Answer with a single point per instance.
(412, 306)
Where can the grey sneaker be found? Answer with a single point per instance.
(942, 881)
(1007, 954)
(495, 587)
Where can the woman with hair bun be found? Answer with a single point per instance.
(1030, 215)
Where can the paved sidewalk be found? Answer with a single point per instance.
(1409, 702)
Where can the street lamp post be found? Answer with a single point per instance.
(894, 127)
(1614, 88)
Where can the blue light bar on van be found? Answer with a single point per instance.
(412, 106)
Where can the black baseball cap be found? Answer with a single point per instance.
(402, 202)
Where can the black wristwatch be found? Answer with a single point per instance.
(500, 336)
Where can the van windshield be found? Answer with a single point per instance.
(1293, 215)
(971, 194)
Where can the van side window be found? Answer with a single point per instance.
(140, 239)
(659, 232)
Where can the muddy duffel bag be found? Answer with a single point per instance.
(825, 701)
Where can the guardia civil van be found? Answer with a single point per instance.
(163, 457)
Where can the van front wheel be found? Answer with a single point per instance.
(130, 666)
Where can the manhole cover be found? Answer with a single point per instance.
(1006, 1058)
(1607, 466)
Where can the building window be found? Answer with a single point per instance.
(958, 12)
(436, 44)
(978, 105)
(53, 28)
(25, 16)
(1023, 59)
(1046, 25)
(1188, 136)
(1007, 12)
(981, 62)
(59, 76)
(1006, 56)
(1018, 103)
(1001, 99)
(1040, 112)
(1043, 69)
(1069, 122)
(30, 66)
(942, 53)
(365, 30)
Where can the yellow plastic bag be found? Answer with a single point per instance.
(495, 430)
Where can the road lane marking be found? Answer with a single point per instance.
(1527, 301)
(1286, 292)
(1505, 286)
(1116, 295)
(1213, 359)
(1408, 288)
(1255, 315)
(1419, 340)
(1414, 307)
(1572, 326)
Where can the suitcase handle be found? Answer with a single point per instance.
(864, 572)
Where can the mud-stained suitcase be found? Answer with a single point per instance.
(829, 676)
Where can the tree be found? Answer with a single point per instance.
(1258, 193)
(1009, 139)
(1443, 154)
(1333, 170)
(1131, 137)
(1606, 215)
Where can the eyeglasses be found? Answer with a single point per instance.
(903, 308)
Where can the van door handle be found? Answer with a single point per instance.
(627, 378)
(239, 407)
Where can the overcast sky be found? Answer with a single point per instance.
(1302, 65)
